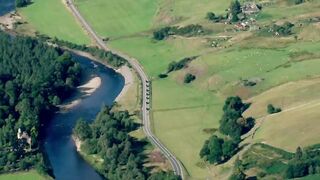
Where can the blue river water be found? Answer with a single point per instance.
(59, 146)
(6, 6)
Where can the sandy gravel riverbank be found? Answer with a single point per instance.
(124, 71)
(82, 91)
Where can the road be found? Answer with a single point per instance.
(175, 163)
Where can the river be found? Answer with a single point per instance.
(59, 146)
(67, 164)
(6, 6)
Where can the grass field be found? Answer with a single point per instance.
(115, 18)
(286, 96)
(50, 17)
(30, 175)
(291, 129)
(181, 112)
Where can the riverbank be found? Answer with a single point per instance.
(125, 71)
(94, 160)
(82, 91)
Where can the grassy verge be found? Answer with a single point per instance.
(29, 175)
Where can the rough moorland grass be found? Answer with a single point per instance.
(287, 96)
(50, 17)
(114, 18)
(30, 175)
(267, 159)
(290, 129)
(189, 11)
(287, 12)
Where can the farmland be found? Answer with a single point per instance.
(51, 18)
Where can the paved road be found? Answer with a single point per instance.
(176, 165)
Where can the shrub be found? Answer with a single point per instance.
(174, 66)
(161, 33)
(272, 110)
(189, 30)
(188, 78)
(296, 2)
(163, 76)
(212, 17)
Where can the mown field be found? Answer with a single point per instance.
(50, 17)
(181, 112)
(30, 175)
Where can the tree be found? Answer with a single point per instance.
(82, 129)
(109, 138)
(22, 3)
(237, 175)
(32, 80)
(217, 150)
(298, 154)
(211, 16)
(235, 9)
(229, 148)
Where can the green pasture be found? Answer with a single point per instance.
(114, 18)
(51, 17)
(28, 175)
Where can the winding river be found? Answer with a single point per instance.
(66, 162)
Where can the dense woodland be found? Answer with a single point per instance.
(34, 78)
(108, 136)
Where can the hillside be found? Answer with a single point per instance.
(266, 61)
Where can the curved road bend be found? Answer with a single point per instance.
(176, 165)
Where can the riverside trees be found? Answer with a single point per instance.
(34, 78)
(108, 136)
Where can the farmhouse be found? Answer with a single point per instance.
(250, 8)
(24, 136)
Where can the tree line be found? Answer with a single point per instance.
(233, 125)
(108, 136)
(112, 59)
(189, 30)
(306, 162)
(176, 66)
(34, 78)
